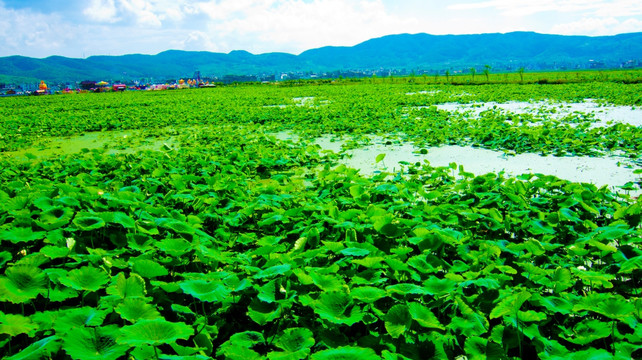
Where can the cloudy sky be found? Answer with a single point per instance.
(82, 28)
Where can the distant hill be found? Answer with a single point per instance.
(410, 52)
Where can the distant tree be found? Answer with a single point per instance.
(87, 85)
(521, 73)
(447, 75)
(473, 71)
(487, 72)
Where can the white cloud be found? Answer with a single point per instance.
(142, 11)
(195, 41)
(529, 7)
(598, 26)
(32, 34)
(298, 25)
(102, 11)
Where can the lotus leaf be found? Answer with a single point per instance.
(295, 339)
(262, 312)
(21, 234)
(368, 294)
(88, 223)
(74, 318)
(510, 305)
(346, 353)
(99, 343)
(55, 217)
(135, 309)
(210, 291)
(148, 268)
(406, 289)
(423, 316)
(13, 325)
(22, 283)
(273, 271)
(397, 320)
(39, 349)
(85, 278)
(154, 332)
(127, 287)
(475, 347)
(437, 287)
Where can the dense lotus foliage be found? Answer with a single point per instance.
(228, 243)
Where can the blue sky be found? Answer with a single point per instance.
(82, 28)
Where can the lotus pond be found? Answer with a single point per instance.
(311, 222)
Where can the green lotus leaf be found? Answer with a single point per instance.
(74, 318)
(210, 291)
(587, 331)
(423, 316)
(268, 292)
(55, 218)
(556, 304)
(22, 234)
(420, 264)
(327, 282)
(183, 357)
(119, 218)
(368, 294)
(405, 289)
(475, 347)
(531, 316)
(284, 355)
(237, 352)
(147, 227)
(38, 350)
(134, 309)
(54, 252)
(182, 309)
(346, 353)
(437, 287)
(99, 343)
(177, 226)
(5, 256)
(88, 223)
(127, 287)
(22, 283)
(67, 201)
(510, 304)
(631, 265)
(43, 203)
(245, 339)
(148, 268)
(273, 271)
(615, 307)
(334, 305)
(154, 332)
(263, 313)
(85, 278)
(352, 251)
(561, 279)
(538, 227)
(61, 293)
(12, 324)
(397, 320)
(45, 319)
(174, 246)
(295, 339)
(471, 325)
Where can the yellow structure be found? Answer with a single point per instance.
(42, 85)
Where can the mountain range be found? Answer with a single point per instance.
(422, 53)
